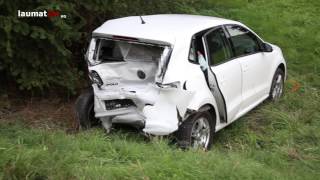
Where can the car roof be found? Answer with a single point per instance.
(162, 27)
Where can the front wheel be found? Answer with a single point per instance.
(277, 85)
(197, 131)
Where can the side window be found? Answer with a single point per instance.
(192, 52)
(196, 45)
(218, 47)
(243, 41)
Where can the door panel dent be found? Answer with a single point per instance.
(214, 88)
(162, 117)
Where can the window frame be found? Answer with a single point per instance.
(190, 47)
(258, 40)
(200, 33)
(207, 47)
(224, 27)
(93, 47)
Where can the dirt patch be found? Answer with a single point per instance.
(50, 113)
(294, 154)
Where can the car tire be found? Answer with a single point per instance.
(277, 86)
(187, 135)
(84, 108)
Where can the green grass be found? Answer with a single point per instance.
(275, 141)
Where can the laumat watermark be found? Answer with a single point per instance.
(40, 14)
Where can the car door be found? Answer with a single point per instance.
(225, 72)
(247, 49)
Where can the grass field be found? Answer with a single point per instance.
(275, 141)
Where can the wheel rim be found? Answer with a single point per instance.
(200, 133)
(278, 88)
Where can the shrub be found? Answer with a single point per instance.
(43, 53)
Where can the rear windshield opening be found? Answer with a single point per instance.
(108, 50)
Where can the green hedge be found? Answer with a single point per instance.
(42, 53)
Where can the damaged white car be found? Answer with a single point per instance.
(185, 75)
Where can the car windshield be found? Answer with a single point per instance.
(114, 51)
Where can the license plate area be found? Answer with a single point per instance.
(118, 104)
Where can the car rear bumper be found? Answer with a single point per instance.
(153, 108)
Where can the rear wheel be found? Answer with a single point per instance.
(277, 85)
(197, 131)
(84, 108)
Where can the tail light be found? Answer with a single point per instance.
(95, 78)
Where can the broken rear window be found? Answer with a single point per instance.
(107, 50)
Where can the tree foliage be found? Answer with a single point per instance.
(43, 53)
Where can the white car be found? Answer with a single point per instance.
(185, 75)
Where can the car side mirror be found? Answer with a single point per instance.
(267, 47)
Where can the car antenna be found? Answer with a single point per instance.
(142, 21)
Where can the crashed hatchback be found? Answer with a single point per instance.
(185, 75)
